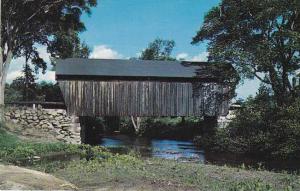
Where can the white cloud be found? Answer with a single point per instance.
(104, 52)
(16, 67)
(13, 75)
(49, 76)
(182, 56)
(202, 57)
(44, 54)
(139, 54)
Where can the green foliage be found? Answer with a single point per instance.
(256, 185)
(12, 149)
(28, 24)
(158, 50)
(68, 45)
(21, 152)
(29, 84)
(259, 37)
(12, 94)
(261, 128)
(171, 175)
(251, 186)
(7, 140)
(96, 167)
(43, 91)
(163, 127)
(22, 88)
(49, 92)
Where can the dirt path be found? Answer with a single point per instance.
(16, 178)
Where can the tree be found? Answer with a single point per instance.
(12, 93)
(29, 85)
(158, 50)
(261, 38)
(28, 23)
(68, 45)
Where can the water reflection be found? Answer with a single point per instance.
(186, 151)
(167, 149)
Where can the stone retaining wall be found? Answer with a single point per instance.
(67, 128)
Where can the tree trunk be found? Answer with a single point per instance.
(2, 88)
(4, 66)
(1, 65)
(280, 92)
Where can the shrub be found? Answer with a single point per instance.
(250, 186)
(163, 127)
(261, 128)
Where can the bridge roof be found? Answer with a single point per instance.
(78, 68)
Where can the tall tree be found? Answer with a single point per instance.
(29, 84)
(261, 38)
(68, 45)
(158, 50)
(28, 23)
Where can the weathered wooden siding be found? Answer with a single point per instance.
(143, 98)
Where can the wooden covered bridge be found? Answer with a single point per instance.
(103, 87)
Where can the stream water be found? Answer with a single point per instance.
(186, 151)
(162, 148)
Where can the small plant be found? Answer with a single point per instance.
(251, 186)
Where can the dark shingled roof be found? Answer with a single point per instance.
(85, 68)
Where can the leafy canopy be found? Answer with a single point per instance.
(261, 38)
(159, 50)
(28, 23)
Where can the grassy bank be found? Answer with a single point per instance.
(129, 171)
(95, 167)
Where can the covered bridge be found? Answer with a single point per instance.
(103, 87)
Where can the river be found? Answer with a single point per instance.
(186, 151)
(161, 148)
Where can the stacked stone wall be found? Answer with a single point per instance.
(66, 128)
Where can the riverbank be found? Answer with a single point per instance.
(92, 168)
(129, 172)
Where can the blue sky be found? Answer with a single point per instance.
(123, 28)
(129, 25)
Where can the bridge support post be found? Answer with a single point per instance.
(89, 133)
(136, 124)
(210, 125)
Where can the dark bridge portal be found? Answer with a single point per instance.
(99, 87)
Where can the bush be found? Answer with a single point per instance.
(251, 185)
(261, 128)
(164, 127)
(13, 150)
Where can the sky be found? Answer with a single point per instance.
(121, 29)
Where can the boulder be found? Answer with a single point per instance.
(16, 178)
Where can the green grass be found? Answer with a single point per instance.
(15, 150)
(7, 140)
(130, 170)
(106, 170)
